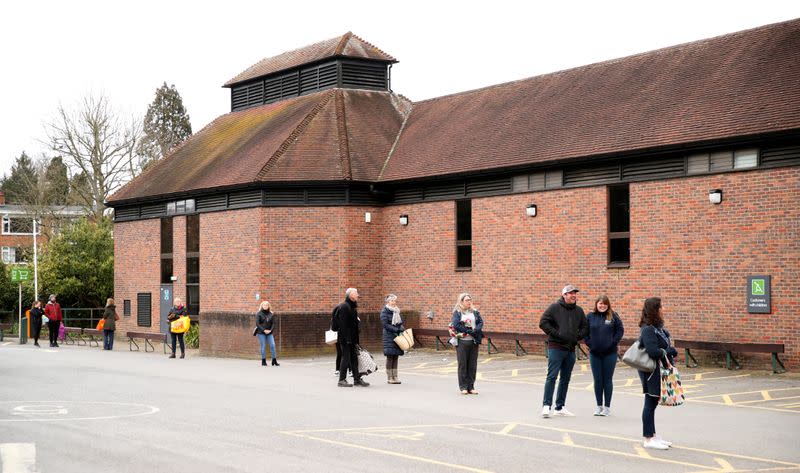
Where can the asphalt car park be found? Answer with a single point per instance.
(84, 409)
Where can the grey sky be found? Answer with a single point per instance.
(58, 52)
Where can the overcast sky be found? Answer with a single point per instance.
(57, 52)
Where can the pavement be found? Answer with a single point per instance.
(82, 409)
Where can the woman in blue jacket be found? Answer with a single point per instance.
(605, 332)
(657, 342)
(468, 327)
(392, 327)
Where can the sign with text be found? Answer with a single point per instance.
(758, 295)
(20, 274)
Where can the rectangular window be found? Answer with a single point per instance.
(619, 218)
(166, 250)
(18, 226)
(9, 254)
(193, 263)
(126, 307)
(721, 161)
(697, 164)
(143, 310)
(745, 158)
(463, 235)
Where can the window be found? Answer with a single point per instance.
(18, 226)
(745, 158)
(180, 207)
(463, 234)
(166, 250)
(143, 310)
(193, 264)
(9, 254)
(619, 217)
(126, 307)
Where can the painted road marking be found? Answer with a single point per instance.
(642, 452)
(507, 429)
(568, 440)
(18, 457)
(727, 400)
(725, 465)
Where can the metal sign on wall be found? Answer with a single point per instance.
(758, 294)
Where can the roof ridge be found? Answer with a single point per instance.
(344, 143)
(342, 43)
(652, 52)
(373, 46)
(405, 114)
(293, 136)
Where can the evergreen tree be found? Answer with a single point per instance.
(23, 179)
(57, 182)
(166, 124)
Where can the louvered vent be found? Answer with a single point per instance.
(361, 196)
(154, 210)
(143, 309)
(657, 169)
(489, 187)
(446, 191)
(318, 78)
(213, 202)
(784, 156)
(407, 195)
(327, 196)
(364, 75)
(255, 94)
(126, 213)
(286, 197)
(587, 176)
(289, 85)
(251, 198)
(239, 97)
(272, 89)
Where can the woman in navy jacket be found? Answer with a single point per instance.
(468, 326)
(657, 342)
(605, 332)
(392, 327)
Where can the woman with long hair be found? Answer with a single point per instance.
(657, 342)
(468, 327)
(110, 325)
(392, 327)
(265, 322)
(36, 321)
(605, 332)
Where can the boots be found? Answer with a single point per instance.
(183, 354)
(263, 362)
(172, 355)
(275, 362)
(392, 375)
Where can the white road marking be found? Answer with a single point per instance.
(18, 457)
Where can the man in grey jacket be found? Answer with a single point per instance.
(565, 325)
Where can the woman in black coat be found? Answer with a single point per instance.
(36, 321)
(392, 327)
(657, 342)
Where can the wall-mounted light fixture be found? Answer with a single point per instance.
(530, 211)
(404, 219)
(429, 314)
(368, 217)
(715, 196)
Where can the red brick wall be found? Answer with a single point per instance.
(693, 254)
(137, 268)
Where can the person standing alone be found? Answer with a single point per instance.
(53, 312)
(565, 324)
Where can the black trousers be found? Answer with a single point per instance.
(175, 338)
(349, 361)
(53, 326)
(467, 356)
(391, 362)
(36, 329)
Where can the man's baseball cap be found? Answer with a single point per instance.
(569, 288)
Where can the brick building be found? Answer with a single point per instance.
(673, 172)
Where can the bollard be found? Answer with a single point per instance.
(23, 337)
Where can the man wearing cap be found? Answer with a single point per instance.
(565, 324)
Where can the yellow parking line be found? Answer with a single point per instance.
(642, 452)
(508, 428)
(568, 440)
(766, 396)
(770, 399)
(752, 392)
(514, 373)
(630, 381)
(486, 360)
(727, 400)
(725, 465)
(584, 367)
(389, 452)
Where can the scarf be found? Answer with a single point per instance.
(396, 320)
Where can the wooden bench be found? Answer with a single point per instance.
(146, 336)
(730, 348)
(518, 338)
(73, 336)
(429, 332)
(94, 336)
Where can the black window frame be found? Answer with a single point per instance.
(193, 264)
(618, 225)
(167, 233)
(126, 308)
(463, 233)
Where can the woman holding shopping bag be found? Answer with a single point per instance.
(657, 343)
(392, 327)
(110, 318)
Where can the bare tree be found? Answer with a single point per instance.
(39, 202)
(96, 143)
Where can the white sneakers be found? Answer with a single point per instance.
(546, 412)
(563, 412)
(654, 443)
(606, 411)
(598, 411)
(665, 442)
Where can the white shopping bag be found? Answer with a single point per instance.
(331, 337)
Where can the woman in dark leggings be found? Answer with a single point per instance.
(177, 311)
(658, 344)
(392, 327)
(605, 332)
(36, 321)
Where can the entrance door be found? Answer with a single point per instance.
(165, 306)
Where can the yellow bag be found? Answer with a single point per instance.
(181, 325)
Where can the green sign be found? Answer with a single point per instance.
(758, 294)
(20, 274)
(758, 286)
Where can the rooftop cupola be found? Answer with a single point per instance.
(346, 61)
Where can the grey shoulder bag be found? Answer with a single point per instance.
(636, 357)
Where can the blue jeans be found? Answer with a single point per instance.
(603, 374)
(558, 362)
(649, 416)
(108, 339)
(263, 339)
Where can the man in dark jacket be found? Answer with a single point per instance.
(346, 318)
(565, 324)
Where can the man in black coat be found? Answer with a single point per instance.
(346, 317)
(565, 325)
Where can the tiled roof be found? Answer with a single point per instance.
(739, 84)
(348, 45)
(338, 134)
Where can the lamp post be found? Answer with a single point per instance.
(35, 265)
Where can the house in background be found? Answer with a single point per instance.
(673, 173)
